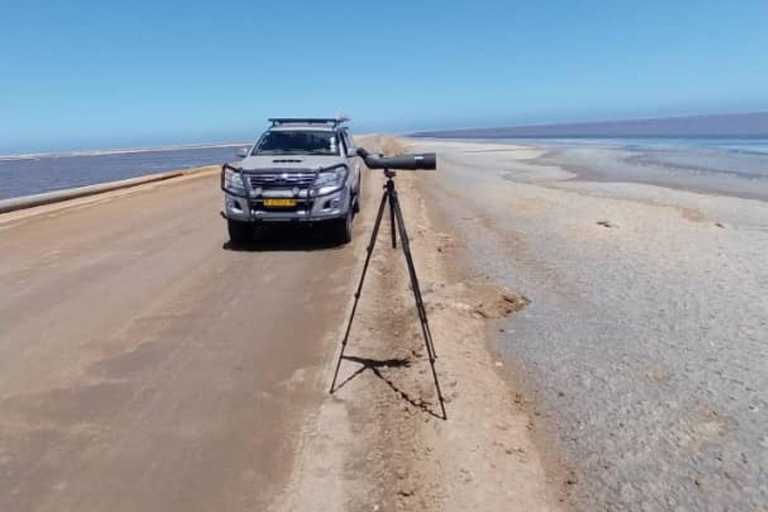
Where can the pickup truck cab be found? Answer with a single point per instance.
(299, 171)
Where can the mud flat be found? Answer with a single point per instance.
(644, 349)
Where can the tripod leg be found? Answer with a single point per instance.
(392, 226)
(395, 204)
(371, 245)
(421, 309)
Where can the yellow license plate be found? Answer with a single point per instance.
(279, 203)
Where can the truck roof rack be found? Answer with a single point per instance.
(335, 121)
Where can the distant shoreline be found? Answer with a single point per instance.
(21, 177)
(737, 125)
(119, 151)
(459, 137)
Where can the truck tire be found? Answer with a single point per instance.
(356, 203)
(239, 232)
(342, 228)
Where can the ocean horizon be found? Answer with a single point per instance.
(118, 150)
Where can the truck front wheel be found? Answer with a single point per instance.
(342, 229)
(239, 232)
(356, 203)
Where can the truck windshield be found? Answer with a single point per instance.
(299, 142)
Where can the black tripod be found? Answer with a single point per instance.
(397, 226)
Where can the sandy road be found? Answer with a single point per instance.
(146, 366)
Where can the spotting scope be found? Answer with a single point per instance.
(424, 161)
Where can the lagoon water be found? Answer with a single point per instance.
(27, 175)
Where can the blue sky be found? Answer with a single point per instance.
(90, 74)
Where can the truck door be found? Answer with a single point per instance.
(354, 160)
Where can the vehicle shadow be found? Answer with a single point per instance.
(286, 238)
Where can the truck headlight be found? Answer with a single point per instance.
(233, 182)
(330, 181)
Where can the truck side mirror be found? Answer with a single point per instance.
(242, 152)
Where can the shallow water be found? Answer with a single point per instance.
(736, 167)
(24, 176)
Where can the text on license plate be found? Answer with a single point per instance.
(279, 203)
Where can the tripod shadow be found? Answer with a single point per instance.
(375, 366)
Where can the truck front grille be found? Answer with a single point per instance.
(282, 179)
